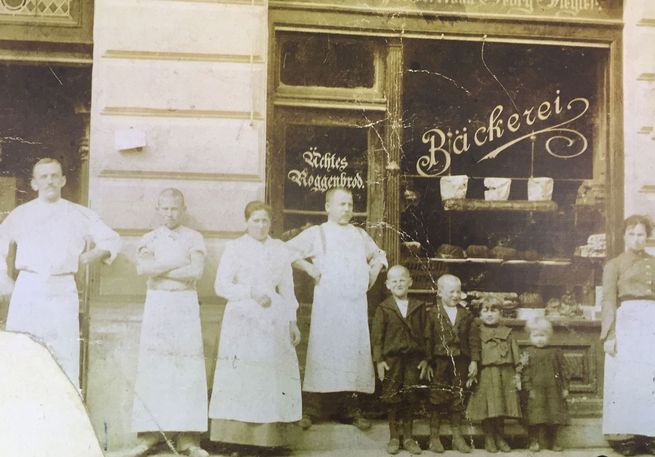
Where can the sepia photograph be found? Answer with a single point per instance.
(325, 228)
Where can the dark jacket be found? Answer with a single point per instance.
(443, 339)
(393, 334)
(497, 345)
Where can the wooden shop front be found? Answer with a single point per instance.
(414, 104)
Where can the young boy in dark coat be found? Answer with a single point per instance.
(453, 348)
(398, 354)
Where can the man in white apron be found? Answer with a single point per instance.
(51, 234)
(345, 263)
(170, 390)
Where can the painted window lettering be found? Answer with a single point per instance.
(562, 142)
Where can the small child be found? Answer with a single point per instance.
(398, 353)
(496, 396)
(545, 378)
(452, 348)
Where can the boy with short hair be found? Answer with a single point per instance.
(398, 354)
(453, 348)
(170, 392)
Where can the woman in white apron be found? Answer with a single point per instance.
(256, 393)
(170, 392)
(628, 333)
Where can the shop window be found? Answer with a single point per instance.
(326, 61)
(318, 158)
(491, 110)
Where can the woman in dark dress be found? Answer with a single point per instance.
(545, 379)
(628, 335)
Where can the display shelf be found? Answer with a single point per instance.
(470, 204)
(494, 261)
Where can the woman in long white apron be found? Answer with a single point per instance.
(170, 392)
(628, 333)
(256, 392)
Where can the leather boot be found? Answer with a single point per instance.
(459, 443)
(499, 426)
(435, 425)
(489, 438)
(533, 434)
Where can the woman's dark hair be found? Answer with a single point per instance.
(257, 205)
(492, 303)
(637, 219)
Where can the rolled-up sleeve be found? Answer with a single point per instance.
(102, 235)
(374, 255)
(304, 245)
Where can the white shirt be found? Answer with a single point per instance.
(164, 243)
(51, 236)
(451, 311)
(402, 306)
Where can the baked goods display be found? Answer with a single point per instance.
(596, 246)
(540, 189)
(566, 307)
(450, 251)
(478, 251)
(590, 193)
(531, 300)
(497, 188)
(453, 186)
(504, 252)
(530, 255)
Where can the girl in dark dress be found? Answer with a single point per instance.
(496, 397)
(545, 379)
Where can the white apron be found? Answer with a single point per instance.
(339, 347)
(47, 308)
(170, 393)
(629, 393)
(257, 378)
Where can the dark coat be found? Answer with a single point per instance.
(394, 334)
(545, 377)
(444, 339)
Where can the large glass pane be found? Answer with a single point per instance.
(327, 61)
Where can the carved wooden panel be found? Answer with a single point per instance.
(581, 364)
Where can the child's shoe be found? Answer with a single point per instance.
(411, 446)
(195, 451)
(459, 444)
(393, 446)
(490, 444)
(502, 444)
(436, 446)
(306, 422)
(361, 423)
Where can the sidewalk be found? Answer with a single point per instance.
(592, 452)
(339, 440)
